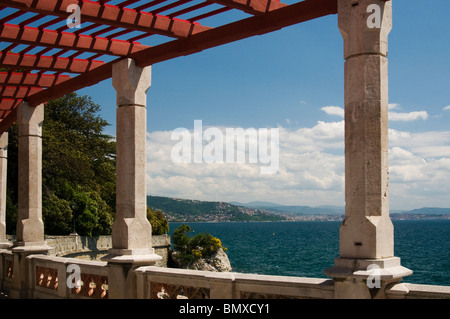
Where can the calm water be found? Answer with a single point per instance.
(307, 248)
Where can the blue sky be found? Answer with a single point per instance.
(289, 79)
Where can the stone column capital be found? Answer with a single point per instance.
(365, 26)
(30, 119)
(131, 82)
(4, 243)
(4, 140)
(4, 145)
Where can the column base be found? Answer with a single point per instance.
(37, 247)
(5, 244)
(21, 282)
(132, 256)
(121, 266)
(365, 278)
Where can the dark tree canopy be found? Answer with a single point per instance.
(78, 169)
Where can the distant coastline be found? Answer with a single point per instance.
(186, 210)
(315, 218)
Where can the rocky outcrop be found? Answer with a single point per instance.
(217, 262)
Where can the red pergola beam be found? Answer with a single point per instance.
(274, 20)
(67, 41)
(76, 83)
(7, 104)
(31, 79)
(46, 63)
(18, 92)
(257, 25)
(8, 117)
(116, 16)
(254, 7)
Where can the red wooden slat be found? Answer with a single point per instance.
(46, 63)
(113, 16)
(31, 79)
(67, 41)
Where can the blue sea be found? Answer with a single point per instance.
(306, 248)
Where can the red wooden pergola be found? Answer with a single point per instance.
(42, 58)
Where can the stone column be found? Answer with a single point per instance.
(366, 234)
(131, 231)
(4, 243)
(30, 228)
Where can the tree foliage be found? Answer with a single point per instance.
(202, 245)
(159, 223)
(78, 169)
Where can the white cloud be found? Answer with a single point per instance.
(393, 116)
(307, 166)
(446, 108)
(411, 116)
(392, 106)
(405, 117)
(311, 170)
(333, 110)
(426, 144)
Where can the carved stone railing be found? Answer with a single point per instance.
(93, 248)
(415, 291)
(51, 278)
(6, 269)
(169, 283)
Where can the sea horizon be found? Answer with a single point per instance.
(307, 248)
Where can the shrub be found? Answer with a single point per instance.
(189, 249)
(159, 223)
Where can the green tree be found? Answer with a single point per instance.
(78, 169)
(202, 245)
(159, 223)
(180, 239)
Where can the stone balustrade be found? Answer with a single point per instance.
(50, 277)
(47, 277)
(93, 248)
(169, 283)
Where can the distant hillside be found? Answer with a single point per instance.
(296, 210)
(423, 213)
(186, 210)
(429, 211)
(176, 209)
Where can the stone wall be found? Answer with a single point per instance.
(93, 248)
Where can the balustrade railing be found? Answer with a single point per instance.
(6, 269)
(169, 283)
(56, 277)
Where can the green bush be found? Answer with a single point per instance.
(159, 223)
(188, 249)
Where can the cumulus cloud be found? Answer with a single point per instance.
(333, 110)
(392, 106)
(310, 161)
(393, 116)
(411, 116)
(311, 170)
(447, 108)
